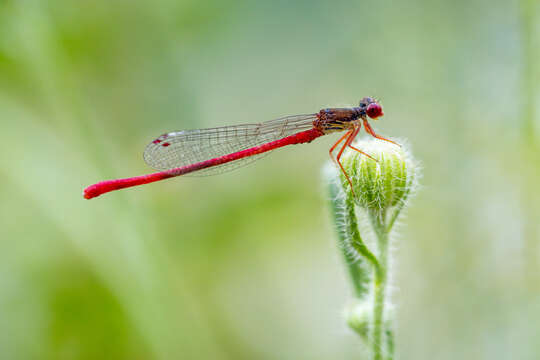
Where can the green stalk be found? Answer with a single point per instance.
(349, 238)
(381, 232)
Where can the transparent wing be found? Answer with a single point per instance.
(180, 148)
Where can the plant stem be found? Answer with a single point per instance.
(349, 238)
(378, 221)
(356, 242)
(347, 232)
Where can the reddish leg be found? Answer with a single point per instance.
(351, 137)
(372, 133)
(336, 160)
(337, 143)
(363, 153)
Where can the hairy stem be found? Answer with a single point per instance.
(381, 231)
(353, 247)
(356, 242)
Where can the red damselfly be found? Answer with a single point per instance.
(216, 150)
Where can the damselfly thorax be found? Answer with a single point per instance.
(338, 119)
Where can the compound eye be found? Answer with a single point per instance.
(374, 110)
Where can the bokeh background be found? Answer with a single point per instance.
(244, 265)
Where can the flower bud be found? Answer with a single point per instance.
(379, 185)
(358, 316)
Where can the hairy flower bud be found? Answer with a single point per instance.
(358, 316)
(379, 185)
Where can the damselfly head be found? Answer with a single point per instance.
(372, 107)
(374, 110)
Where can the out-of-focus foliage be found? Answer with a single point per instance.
(244, 265)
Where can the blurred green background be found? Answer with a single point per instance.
(244, 265)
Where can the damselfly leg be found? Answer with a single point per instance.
(372, 133)
(349, 136)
